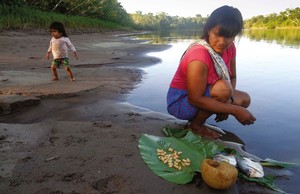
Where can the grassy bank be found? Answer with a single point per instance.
(24, 18)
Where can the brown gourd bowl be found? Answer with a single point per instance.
(218, 175)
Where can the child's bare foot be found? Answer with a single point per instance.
(204, 131)
(72, 79)
(54, 79)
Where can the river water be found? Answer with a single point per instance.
(268, 69)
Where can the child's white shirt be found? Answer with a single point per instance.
(59, 47)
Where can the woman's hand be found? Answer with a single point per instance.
(244, 116)
(221, 117)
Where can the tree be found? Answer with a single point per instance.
(287, 18)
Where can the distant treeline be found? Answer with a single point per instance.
(290, 18)
(286, 19)
(162, 21)
(110, 14)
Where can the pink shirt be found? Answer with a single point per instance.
(199, 53)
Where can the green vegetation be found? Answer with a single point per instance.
(28, 18)
(85, 15)
(290, 18)
(163, 21)
(101, 15)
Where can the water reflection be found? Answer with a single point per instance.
(166, 37)
(268, 69)
(285, 37)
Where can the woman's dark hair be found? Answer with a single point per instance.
(228, 18)
(59, 27)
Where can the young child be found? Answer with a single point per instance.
(59, 45)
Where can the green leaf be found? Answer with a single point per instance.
(172, 132)
(274, 163)
(264, 181)
(192, 146)
(196, 149)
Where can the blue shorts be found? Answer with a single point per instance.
(179, 106)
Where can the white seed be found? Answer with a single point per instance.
(172, 158)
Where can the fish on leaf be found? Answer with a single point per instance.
(250, 167)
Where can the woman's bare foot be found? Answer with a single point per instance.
(203, 131)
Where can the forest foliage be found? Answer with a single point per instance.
(110, 10)
(162, 21)
(289, 18)
(111, 14)
(77, 14)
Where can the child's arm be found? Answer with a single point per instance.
(71, 46)
(49, 51)
(75, 55)
(48, 55)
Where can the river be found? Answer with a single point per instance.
(268, 69)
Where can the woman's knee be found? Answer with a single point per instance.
(247, 101)
(222, 90)
(242, 98)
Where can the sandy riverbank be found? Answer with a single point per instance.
(82, 136)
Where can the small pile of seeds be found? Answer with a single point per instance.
(172, 158)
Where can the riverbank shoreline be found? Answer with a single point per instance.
(82, 136)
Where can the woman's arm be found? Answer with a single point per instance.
(233, 73)
(197, 73)
(196, 83)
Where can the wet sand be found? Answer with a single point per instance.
(82, 136)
